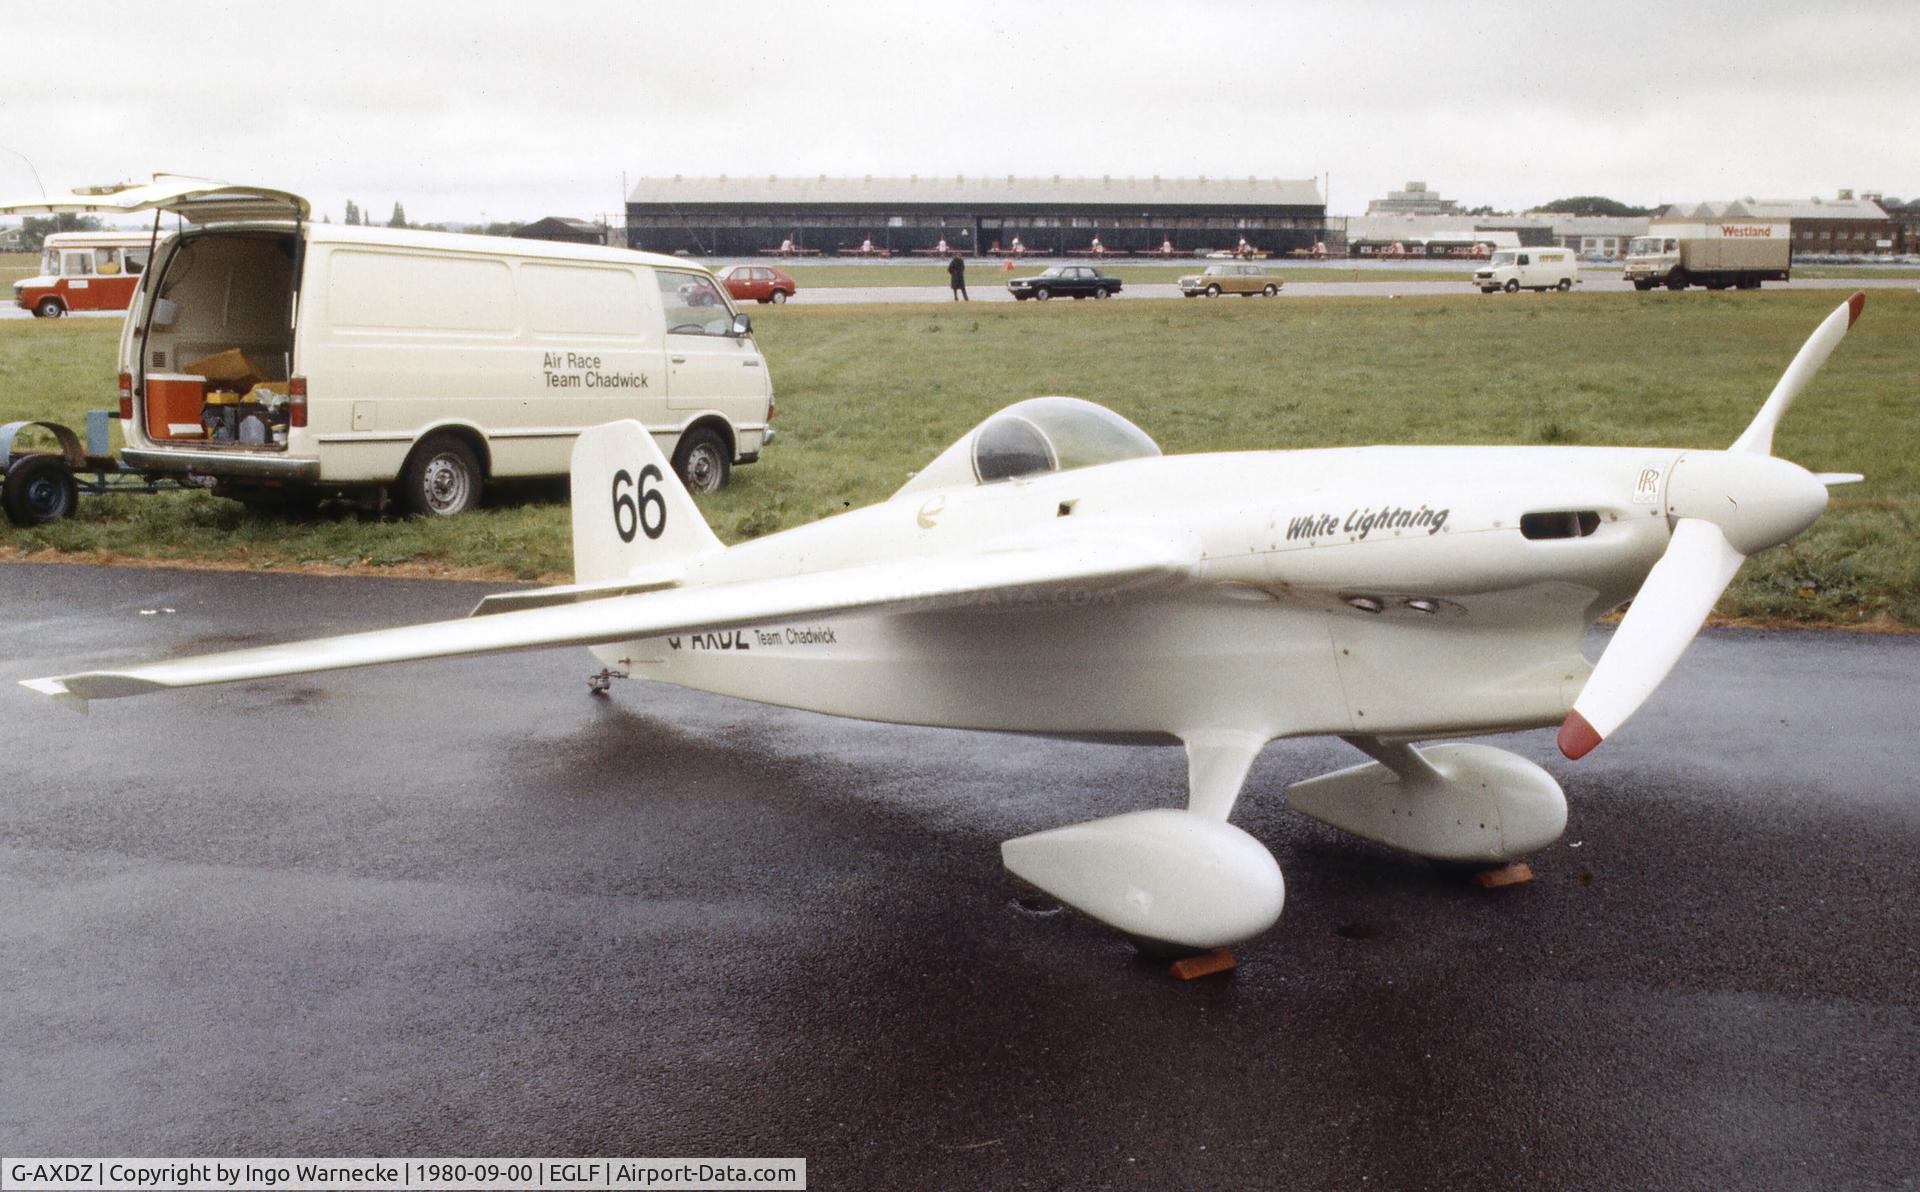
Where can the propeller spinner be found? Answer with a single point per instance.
(1726, 505)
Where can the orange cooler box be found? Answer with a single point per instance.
(173, 405)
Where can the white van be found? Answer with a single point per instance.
(271, 356)
(1513, 269)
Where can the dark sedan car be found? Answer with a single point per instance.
(1065, 281)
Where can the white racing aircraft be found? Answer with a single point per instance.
(1053, 573)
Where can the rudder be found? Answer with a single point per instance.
(630, 511)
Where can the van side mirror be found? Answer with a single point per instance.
(742, 325)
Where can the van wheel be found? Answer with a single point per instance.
(49, 308)
(701, 459)
(1513, 285)
(441, 478)
(1566, 283)
(38, 489)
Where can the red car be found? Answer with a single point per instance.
(757, 283)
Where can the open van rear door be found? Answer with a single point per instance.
(197, 200)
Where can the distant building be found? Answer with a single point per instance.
(1416, 199)
(13, 240)
(1907, 220)
(1425, 236)
(1842, 226)
(1596, 237)
(571, 231)
(973, 215)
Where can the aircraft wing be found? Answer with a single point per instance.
(1058, 572)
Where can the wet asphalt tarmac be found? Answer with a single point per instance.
(466, 908)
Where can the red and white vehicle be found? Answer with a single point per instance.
(85, 271)
(757, 283)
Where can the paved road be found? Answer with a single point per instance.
(985, 284)
(464, 907)
(994, 289)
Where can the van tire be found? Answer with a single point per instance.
(38, 489)
(442, 477)
(1513, 285)
(1566, 283)
(702, 460)
(49, 308)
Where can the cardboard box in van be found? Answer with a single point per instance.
(423, 363)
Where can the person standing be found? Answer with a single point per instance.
(957, 278)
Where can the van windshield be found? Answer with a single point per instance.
(50, 263)
(1503, 258)
(693, 304)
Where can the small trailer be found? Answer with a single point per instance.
(43, 486)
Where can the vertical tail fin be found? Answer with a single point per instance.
(630, 511)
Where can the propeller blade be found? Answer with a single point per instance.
(1669, 609)
(1758, 437)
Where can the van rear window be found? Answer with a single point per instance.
(580, 300)
(419, 293)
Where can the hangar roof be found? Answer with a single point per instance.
(1780, 209)
(960, 188)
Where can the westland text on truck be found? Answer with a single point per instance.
(268, 357)
(1700, 249)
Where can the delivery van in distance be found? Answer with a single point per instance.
(84, 271)
(1513, 269)
(271, 357)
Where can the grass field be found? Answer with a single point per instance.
(870, 393)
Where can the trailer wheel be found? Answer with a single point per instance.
(38, 489)
(49, 308)
(442, 477)
(1513, 285)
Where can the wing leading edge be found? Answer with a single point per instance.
(1023, 576)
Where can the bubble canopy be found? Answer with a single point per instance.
(1042, 434)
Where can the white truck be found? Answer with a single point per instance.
(269, 357)
(1715, 253)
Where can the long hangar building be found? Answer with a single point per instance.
(736, 217)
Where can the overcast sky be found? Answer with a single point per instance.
(514, 111)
